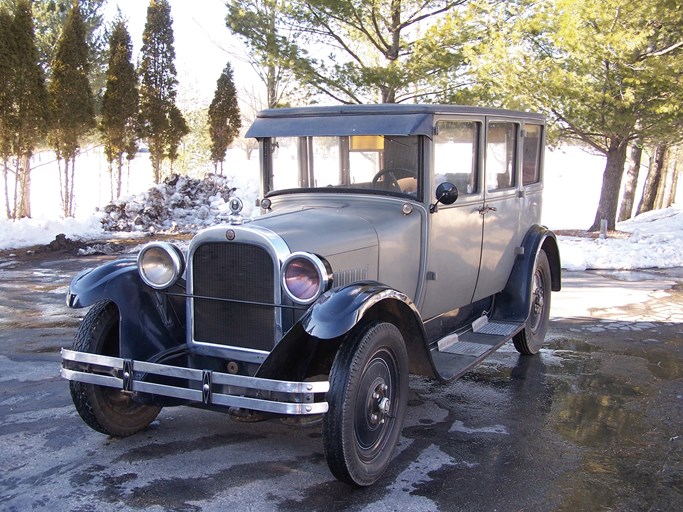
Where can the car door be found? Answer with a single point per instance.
(454, 231)
(501, 211)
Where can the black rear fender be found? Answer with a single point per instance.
(513, 303)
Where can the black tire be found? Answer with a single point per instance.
(530, 339)
(367, 404)
(107, 410)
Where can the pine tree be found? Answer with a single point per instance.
(120, 104)
(50, 18)
(7, 67)
(71, 101)
(28, 105)
(389, 51)
(161, 123)
(224, 117)
(606, 73)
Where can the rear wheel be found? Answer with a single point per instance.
(530, 339)
(107, 410)
(367, 399)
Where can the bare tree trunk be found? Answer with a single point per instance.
(666, 198)
(661, 186)
(628, 197)
(119, 175)
(654, 175)
(5, 172)
(65, 182)
(70, 190)
(110, 169)
(25, 188)
(17, 180)
(611, 184)
(61, 181)
(156, 164)
(677, 173)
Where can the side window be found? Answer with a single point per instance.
(501, 148)
(456, 155)
(531, 154)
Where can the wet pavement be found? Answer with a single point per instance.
(595, 422)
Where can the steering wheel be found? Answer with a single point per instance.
(389, 179)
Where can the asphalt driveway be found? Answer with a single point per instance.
(592, 423)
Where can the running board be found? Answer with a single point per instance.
(455, 355)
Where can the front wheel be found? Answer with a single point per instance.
(107, 410)
(530, 339)
(367, 403)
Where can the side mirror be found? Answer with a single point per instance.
(446, 193)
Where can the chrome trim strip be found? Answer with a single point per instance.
(301, 394)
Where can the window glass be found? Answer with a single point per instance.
(368, 164)
(531, 155)
(501, 146)
(455, 155)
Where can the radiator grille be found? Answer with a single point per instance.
(233, 271)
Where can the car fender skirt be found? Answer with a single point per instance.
(151, 322)
(512, 304)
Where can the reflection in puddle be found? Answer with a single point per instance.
(597, 398)
(598, 404)
(663, 366)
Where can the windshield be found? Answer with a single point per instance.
(372, 164)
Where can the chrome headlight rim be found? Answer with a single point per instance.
(176, 264)
(322, 269)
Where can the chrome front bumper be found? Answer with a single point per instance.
(274, 396)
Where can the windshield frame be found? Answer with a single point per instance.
(268, 145)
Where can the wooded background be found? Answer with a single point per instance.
(608, 75)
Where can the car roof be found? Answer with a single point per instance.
(377, 119)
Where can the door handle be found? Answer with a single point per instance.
(485, 209)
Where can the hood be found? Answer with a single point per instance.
(327, 231)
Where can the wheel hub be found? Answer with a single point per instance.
(538, 301)
(379, 404)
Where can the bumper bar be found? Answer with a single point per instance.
(202, 386)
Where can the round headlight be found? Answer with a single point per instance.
(160, 265)
(305, 277)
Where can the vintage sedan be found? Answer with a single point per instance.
(392, 239)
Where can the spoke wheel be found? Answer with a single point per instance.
(105, 409)
(530, 339)
(368, 395)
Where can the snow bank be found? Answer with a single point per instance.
(655, 241)
(28, 232)
(185, 205)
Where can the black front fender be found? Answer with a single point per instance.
(151, 322)
(309, 347)
(339, 310)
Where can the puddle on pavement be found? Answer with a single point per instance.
(598, 404)
(599, 401)
(663, 366)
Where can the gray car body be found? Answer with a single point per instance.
(431, 269)
(441, 261)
